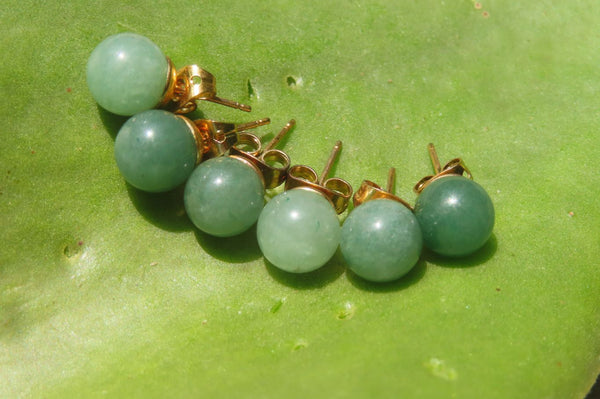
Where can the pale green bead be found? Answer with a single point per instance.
(298, 231)
(155, 150)
(127, 73)
(381, 240)
(456, 216)
(224, 196)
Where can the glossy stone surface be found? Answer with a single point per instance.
(456, 216)
(127, 74)
(381, 240)
(298, 231)
(224, 196)
(155, 151)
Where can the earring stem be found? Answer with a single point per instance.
(250, 125)
(230, 103)
(332, 157)
(391, 179)
(280, 135)
(434, 158)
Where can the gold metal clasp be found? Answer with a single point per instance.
(214, 139)
(368, 191)
(190, 84)
(336, 190)
(271, 164)
(455, 167)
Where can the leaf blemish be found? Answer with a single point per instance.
(72, 249)
(439, 369)
(293, 81)
(300, 344)
(278, 304)
(251, 91)
(347, 312)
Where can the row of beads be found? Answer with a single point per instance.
(298, 230)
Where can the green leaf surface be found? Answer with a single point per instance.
(106, 291)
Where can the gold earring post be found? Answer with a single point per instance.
(391, 180)
(437, 167)
(332, 157)
(230, 103)
(250, 125)
(280, 135)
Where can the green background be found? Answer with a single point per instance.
(108, 291)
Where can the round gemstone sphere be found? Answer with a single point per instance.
(127, 73)
(456, 216)
(298, 231)
(224, 196)
(381, 240)
(155, 150)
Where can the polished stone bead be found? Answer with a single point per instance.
(456, 216)
(224, 196)
(381, 240)
(298, 231)
(155, 150)
(127, 73)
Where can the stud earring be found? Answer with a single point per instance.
(381, 238)
(456, 214)
(298, 230)
(224, 196)
(157, 151)
(127, 73)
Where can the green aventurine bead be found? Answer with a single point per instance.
(224, 196)
(456, 216)
(155, 150)
(381, 240)
(298, 231)
(127, 74)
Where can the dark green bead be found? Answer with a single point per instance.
(224, 196)
(381, 240)
(456, 216)
(155, 151)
